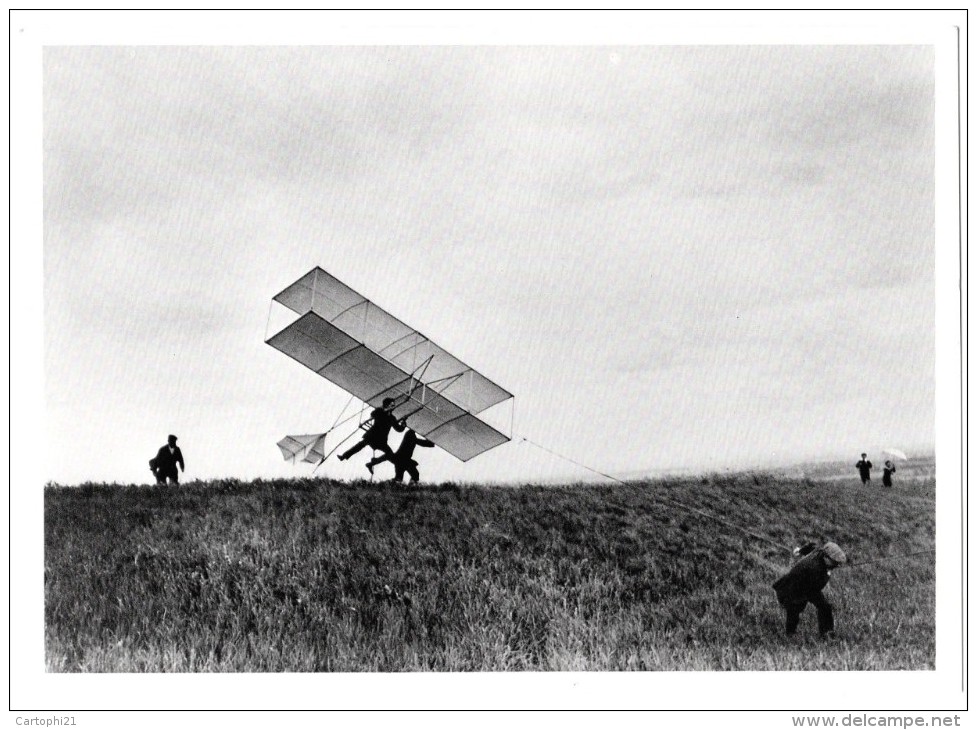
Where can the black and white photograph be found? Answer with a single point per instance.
(488, 360)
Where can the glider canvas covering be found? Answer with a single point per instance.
(307, 447)
(350, 341)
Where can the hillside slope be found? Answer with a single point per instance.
(315, 575)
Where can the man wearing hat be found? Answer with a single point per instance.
(403, 460)
(376, 435)
(804, 584)
(864, 467)
(166, 460)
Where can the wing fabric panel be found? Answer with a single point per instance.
(466, 437)
(319, 292)
(363, 373)
(477, 391)
(426, 410)
(371, 325)
(313, 341)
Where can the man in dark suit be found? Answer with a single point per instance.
(403, 459)
(382, 420)
(804, 584)
(864, 467)
(167, 459)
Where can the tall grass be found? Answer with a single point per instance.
(314, 575)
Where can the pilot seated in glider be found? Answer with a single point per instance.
(804, 584)
(376, 435)
(403, 459)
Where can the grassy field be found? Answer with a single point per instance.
(316, 576)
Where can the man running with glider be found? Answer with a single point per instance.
(376, 435)
(403, 459)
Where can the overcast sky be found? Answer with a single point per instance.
(675, 257)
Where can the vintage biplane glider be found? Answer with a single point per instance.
(350, 341)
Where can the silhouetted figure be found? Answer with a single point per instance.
(864, 467)
(804, 584)
(166, 462)
(376, 435)
(403, 458)
(887, 473)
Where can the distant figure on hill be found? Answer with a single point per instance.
(804, 584)
(887, 473)
(403, 458)
(864, 467)
(167, 458)
(378, 432)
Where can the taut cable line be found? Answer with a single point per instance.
(887, 557)
(675, 502)
(714, 517)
